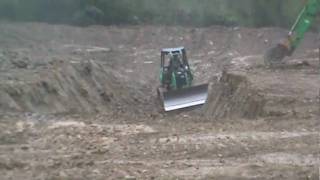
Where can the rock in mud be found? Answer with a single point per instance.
(22, 64)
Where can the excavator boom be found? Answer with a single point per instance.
(302, 24)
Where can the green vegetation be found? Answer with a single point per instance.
(171, 12)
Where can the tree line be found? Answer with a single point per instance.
(168, 12)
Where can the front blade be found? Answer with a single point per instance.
(186, 97)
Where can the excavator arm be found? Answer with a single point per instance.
(287, 46)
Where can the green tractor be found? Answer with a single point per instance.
(176, 90)
(287, 46)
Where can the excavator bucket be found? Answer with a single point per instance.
(276, 54)
(186, 97)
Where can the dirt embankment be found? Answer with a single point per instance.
(248, 89)
(59, 86)
(232, 96)
(93, 112)
(61, 69)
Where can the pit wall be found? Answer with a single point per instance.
(232, 96)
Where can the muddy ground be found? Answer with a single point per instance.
(80, 103)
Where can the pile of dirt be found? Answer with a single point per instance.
(64, 87)
(232, 96)
(249, 89)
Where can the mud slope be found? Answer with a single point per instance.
(232, 96)
(80, 103)
(64, 87)
(248, 89)
(54, 68)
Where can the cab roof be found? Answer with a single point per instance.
(172, 50)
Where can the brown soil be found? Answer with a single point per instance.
(80, 103)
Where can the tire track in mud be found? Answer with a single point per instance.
(256, 136)
(221, 164)
(200, 168)
(272, 158)
(241, 141)
(140, 141)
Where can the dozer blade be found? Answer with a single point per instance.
(186, 97)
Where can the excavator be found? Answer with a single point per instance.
(286, 47)
(176, 89)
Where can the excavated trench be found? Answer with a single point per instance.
(96, 73)
(87, 87)
(80, 103)
(93, 87)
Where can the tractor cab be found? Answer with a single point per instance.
(176, 90)
(175, 69)
(174, 58)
